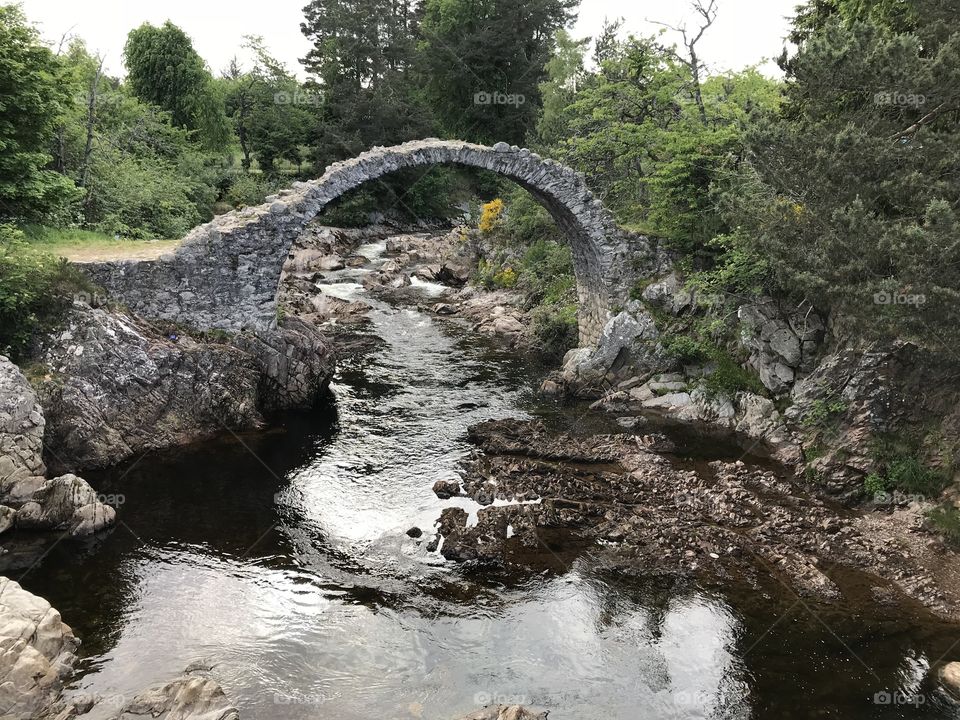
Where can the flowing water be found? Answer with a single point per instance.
(281, 559)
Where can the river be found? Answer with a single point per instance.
(281, 558)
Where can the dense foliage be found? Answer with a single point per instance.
(32, 98)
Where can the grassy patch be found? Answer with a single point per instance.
(87, 245)
(730, 378)
(946, 521)
(906, 475)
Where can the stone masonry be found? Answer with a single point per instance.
(225, 274)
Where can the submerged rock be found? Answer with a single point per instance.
(192, 696)
(36, 652)
(505, 712)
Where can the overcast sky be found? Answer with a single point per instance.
(746, 31)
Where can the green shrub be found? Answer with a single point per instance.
(36, 288)
(875, 484)
(823, 412)
(911, 476)
(946, 520)
(555, 327)
(729, 378)
(685, 349)
(527, 220)
(246, 189)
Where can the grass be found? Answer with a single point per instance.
(88, 246)
(946, 520)
(908, 475)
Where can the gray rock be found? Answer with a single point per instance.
(133, 389)
(628, 340)
(783, 345)
(65, 503)
(949, 676)
(21, 428)
(192, 696)
(505, 712)
(8, 517)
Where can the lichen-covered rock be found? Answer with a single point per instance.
(857, 397)
(628, 341)
(36, 652)
(21, 428)
(119, 386)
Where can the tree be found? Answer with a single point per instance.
(482, 62)
(164, 70)
(852, 193)
(142, 176)
(32, 98)
(691, 60)
(271, 112)
(360, 62)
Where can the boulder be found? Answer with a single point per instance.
(21, 428)
(36, 652)
(190, 697)
(118, 386)
(65, 503)
(783, 342)
(445, 489)
(629, 342)
(950, 678)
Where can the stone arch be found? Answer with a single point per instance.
(226, 273)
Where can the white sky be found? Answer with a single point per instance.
(746, 31)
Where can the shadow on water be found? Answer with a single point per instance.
(281, 557)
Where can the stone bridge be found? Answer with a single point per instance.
(225, 274)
